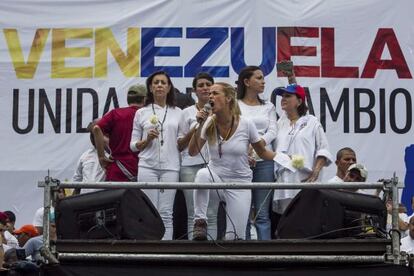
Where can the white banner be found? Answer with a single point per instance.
(63, 64)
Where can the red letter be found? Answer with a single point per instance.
(328, 68)
(397, 61)
(285, 50)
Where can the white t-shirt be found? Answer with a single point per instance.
(264, 118)
(155, 156)
(233, 165)
(11, 240)
(407, 244)
(187, 122)
(88, 169)
(306, 138)
(38, 217)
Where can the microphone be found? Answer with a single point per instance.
(207, 108)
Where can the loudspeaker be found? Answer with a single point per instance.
(108, 214)
(330, 214)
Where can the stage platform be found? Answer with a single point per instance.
(242, 258)
(270, 252)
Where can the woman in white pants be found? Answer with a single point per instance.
(229, 136)
(190, 165)
(154, 135)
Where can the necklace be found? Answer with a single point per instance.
(161, 123)
(221, 141)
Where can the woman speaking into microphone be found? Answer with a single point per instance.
(228, 136)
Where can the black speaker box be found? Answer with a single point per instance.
(330, 214)
(109, 214)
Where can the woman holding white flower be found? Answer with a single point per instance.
(154, 135)
(302, 140)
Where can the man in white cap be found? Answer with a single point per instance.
(345, 157)
(357, 173)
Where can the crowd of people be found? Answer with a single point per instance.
(230, 134)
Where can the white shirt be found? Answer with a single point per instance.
(233, 164)
(11, 240)
(264, 118)
(88, 168)
(407, 244)
(38, 217)
(155, 156)
(306, 138)
(187, 122)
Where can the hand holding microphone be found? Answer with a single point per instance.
(203, 113)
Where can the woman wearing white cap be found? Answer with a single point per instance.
(154, 135)
(301, 137)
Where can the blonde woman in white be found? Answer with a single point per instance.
(227, 136)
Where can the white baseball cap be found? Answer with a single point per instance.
(360, 168)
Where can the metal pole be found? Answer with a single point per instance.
(221, 258)
(395, 235)
(228, 185)
(46, 211)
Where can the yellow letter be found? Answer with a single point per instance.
(60, 52)
(25, 70)
(128, 63)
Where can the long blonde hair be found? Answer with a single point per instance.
(229, 91)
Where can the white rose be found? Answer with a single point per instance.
(298, 161)
(153, 119)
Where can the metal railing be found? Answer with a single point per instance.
(390, 186)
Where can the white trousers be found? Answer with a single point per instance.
(237, 205)
(187, 174)
(162, 199)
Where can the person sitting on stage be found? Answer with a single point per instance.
(228, 137)
(117, 125)
(345, 157)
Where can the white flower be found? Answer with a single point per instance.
(298, 161)
(153, 119)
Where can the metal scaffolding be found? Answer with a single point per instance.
(390, 186)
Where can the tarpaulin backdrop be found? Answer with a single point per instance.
(64, 63)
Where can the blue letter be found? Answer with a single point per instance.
(149, 51)
(268, 49)
(217, 36)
